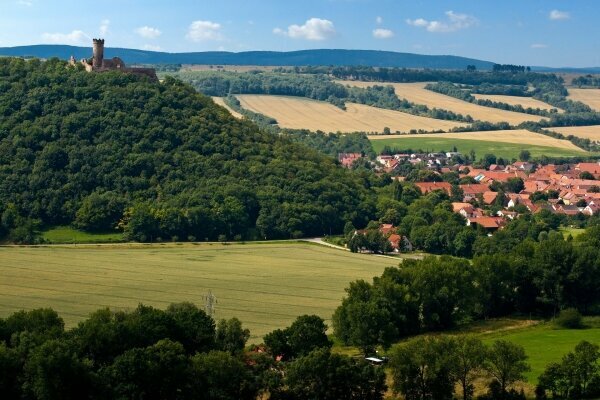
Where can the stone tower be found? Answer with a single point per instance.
(98, 53)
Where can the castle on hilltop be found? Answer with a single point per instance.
(99, 64)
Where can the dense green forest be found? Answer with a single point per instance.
(160, 160)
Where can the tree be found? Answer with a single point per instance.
(194, 329)
(156, 372)
(100, 212)
(230, 335)
(321, 375)
(586, 175)
(397, 190)
(54, 371)
(307, 332)
(218, 375)
(525, 155)
(422, 369)
(468, 358)
(506, 363)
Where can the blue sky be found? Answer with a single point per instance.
(532, 32)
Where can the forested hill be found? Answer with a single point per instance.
(293, 58)
(161, 160)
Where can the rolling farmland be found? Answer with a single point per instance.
(301, 113)
(525, 102)
(505, 144)
(221, 102)
(586, 132)
(265, 285)
(591, 97)
(416, 93)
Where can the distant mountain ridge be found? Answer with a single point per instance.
(335, 57)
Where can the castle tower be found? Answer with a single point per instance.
(98, 53)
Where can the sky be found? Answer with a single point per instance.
(555, 33)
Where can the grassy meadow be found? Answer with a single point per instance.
(500, 149)
(266, 286)
(68, 235)
(545, 343)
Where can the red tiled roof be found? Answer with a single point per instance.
(427, 187)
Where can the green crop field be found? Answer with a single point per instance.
(499, 149)
(544, 343)
(265, 285)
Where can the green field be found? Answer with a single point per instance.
(544, 343)
(499, 149)
(65, 234)
(265, 285)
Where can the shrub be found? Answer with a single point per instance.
(569, 318)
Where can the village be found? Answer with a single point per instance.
(489, 197)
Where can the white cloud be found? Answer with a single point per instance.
(148, 32)
(313, 29)
(379, 20)
(75, 37)
(557, 15)
(104, 25)
(383, 34)
(200, 31)
(152, 47)
(539, 46)
(26, 3)
(454, 22)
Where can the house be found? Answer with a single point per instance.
(592, 168)
(490, 224)
(489, 197)
(386, 229)
(427, 187)
(521, 166)
(474, 189)
(347, 159)
(400, 243)
(591, 209)
(507, 214)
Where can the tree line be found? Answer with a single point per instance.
(178, 353)
(531, 277)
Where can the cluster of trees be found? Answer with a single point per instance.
(333, 144)
(159, 160)
(587, 80)
(515, 69)
(440, 293)
(177, 353)
(433, 367)
(431, 75)
(576, 376)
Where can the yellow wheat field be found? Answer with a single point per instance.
(221, 102)
(586, 132)
(517, 101)
(416, 93)
(520, 136)
(591, 97)
(301, 113)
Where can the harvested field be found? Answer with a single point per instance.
(416, 93)
(520, 136)
(586, 132)
(525, 102)
(221, 102)
(591, 97)
(302, 113)
(265, 285)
